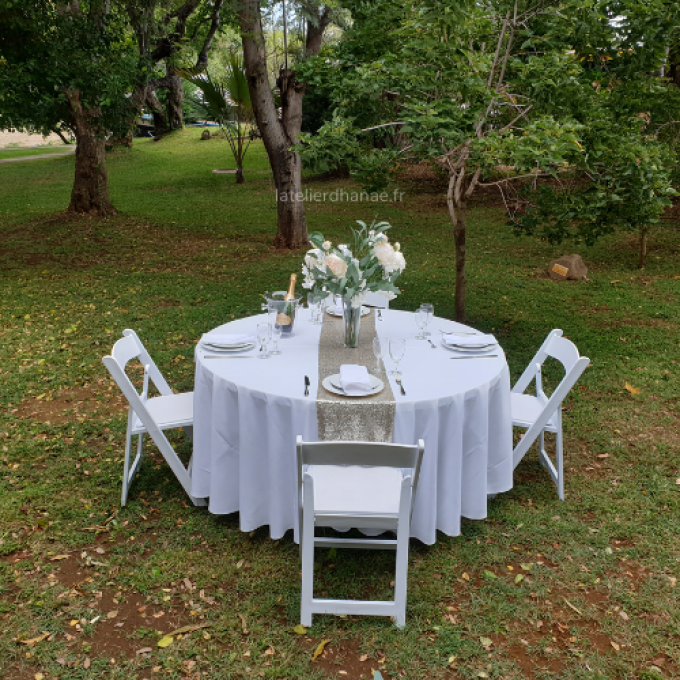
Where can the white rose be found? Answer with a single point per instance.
(384, 252)
(398, 262)
(315, 258)
(337, 265)
(397, 246)
(326, 245)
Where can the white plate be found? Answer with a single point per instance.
(332, 384)
(332, 312)
(227, 350)
(480, 349)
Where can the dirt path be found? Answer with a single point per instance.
(68, 150)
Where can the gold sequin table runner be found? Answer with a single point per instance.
(352, 418)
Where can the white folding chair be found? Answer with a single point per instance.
(540, 414)
(377, 300)
(356, 485)
(152, 416)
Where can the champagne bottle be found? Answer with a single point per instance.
(285, 317)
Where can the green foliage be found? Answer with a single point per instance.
(578, 103)
(46, 52)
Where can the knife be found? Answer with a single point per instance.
(480, 356)
(306, 386)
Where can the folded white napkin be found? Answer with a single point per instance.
(228, 339)
(469, 340)
(339, 310)
(355, 379)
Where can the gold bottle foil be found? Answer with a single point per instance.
(352, 418)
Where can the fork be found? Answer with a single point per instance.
(397, 379)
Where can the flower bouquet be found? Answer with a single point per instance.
(371, 264)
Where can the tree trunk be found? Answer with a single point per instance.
(160, 121)
(240, 179)
(90, 193)
(455, 201)
(278, 134)
(642, 263)
(174, 99)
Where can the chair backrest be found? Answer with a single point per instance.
(567, 354)
(130, 347)
(374, 299)
(368, 454)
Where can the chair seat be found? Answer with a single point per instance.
(340, 490)
(173, 410)
(526, 409)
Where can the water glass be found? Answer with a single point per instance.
(429, 309)
(377, 352)
(276, 336)
(421, 322)
(397, 348)
(313, 303)
(264, 333)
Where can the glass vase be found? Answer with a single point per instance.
(352, 321)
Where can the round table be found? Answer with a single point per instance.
(248, 412)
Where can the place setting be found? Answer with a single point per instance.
(227, 345)
(469, 346)
(353, 381)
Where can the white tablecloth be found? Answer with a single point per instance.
(248, 412)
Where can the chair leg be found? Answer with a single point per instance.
(401, 575)
(542, 455)
(307, 542)
(560, 462)
(126, 466)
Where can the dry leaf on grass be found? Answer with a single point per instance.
(34, 641)
(165, 641)
(144, 650)
(300, 629)
(319, 650)
(631, 389)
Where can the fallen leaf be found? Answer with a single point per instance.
(482, 674)
(466, 577)
(34, 641)
(527, 566)
(270, 651)
(319, 650)
(363, 657)
(631, 389)
(489, 574)
(112, 614)
(570, 605)
(300, 629)
(59, 557)
(623, 615)
(165, 641)
(486, 642)
(87, 663)
(602, 455)
(451, 659)
(616, 646)
(144, 650)
(519, 578)
(243, 624)
(38, 676)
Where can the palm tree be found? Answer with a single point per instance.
(227, 103)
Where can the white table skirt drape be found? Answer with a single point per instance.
(248, 412)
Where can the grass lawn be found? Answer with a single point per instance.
(21, 153)
(540, 589)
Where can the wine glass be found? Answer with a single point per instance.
(377, 352)
(276, 336)
(264, 333)
(313, 305)
(430, 313)
(397, 347)
(421, 322)
(272, 313)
